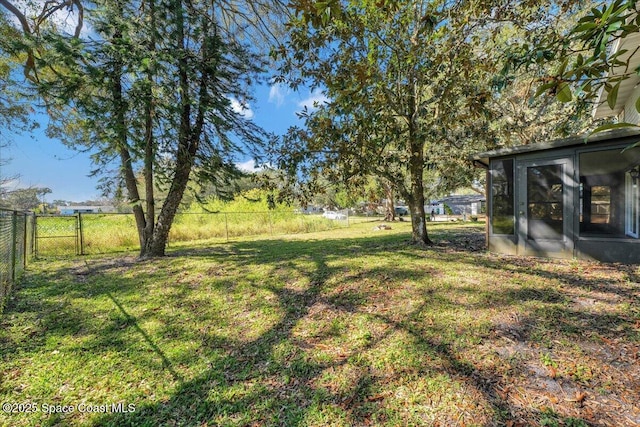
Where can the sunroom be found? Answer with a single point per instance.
(567, 198)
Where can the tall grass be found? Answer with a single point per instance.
(189, 227)
(105, 233)
(249, 214)
(224, 225)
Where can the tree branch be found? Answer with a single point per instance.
(16, 12)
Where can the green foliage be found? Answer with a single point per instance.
(547, 360)
(414, 88)
(254, 200)
(15, 99)
(590, 67)
(550, 418)
(154, 85)
(23, 199)
(409, 95)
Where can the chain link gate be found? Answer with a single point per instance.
(57, 235)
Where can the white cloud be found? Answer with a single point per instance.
(277, 94)
(242, 109)
(314, 100)
(248, 166)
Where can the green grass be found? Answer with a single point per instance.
(345, 327)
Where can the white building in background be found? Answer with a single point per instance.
(434, 206)
(310, 209)
(460, 205)
(72, 210)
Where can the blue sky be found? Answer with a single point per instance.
(43, 162)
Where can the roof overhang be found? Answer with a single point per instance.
(589, 139)
(630, 43)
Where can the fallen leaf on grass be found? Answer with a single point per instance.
(375, 398)
(579, 398)
(503, 392)
(607, 341)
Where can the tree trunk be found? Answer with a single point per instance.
(419, 233)
(189, 133)
(149, 140)
(416, 172)
(389, 211)
(415, 199)
(157, 246)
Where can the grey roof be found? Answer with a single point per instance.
(466, 198)
(587, 139)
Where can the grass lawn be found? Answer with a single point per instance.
(345, 327)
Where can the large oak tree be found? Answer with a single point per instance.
(413, 89)
(408, 89)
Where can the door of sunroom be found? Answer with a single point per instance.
(545, 215)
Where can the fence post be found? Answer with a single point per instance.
(14, 244)
(24, 239)
(226, 227)
(80, 237)
(35, 235)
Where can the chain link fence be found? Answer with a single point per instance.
(23, 235)
(16, 247)
(100, 233)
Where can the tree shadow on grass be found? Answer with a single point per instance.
(227, 393)
(275, 378)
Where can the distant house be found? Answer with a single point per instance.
(464, 205)
(575, 197)
(72, 210)
(436, 207)
(309, 209)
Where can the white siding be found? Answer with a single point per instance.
(630, 113)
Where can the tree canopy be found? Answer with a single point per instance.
(413, 89)
(155, 89)
(24, 199)
(591, 67)
(153, 85)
